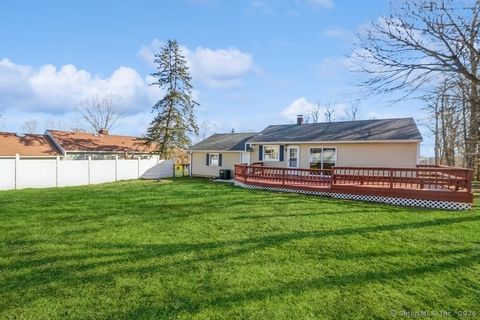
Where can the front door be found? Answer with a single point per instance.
(293, 156)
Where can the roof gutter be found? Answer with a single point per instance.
(13, 157)
(190, 150)
(113, 151)
(337, 142)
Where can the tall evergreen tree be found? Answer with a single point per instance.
(175, 118)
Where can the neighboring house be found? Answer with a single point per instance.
(219, 151)
(27, 145)
(73, 145)
(80, 145)
(362, 143)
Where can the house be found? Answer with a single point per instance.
(361, 143)
(219, 151)
(74, 145)
(102, 145)
(27, 145)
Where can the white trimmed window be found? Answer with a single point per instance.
(213, 160)
(271, 152)
(323, 158)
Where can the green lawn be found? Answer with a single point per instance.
(190, 248)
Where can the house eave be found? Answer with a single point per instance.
(42, 157)
(336, 142)
(116, 152)
(189, 150)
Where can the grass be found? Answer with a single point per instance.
(190, 248)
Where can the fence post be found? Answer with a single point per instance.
(116, 167)
(159, 170)
(89, 168)
(57, 163)
(138, 167)
(17, 161)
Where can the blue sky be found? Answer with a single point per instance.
(253, 62)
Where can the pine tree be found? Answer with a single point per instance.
(175, 118)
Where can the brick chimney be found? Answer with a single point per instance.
(300, 119)
(103, 131)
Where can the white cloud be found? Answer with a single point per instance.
(289, 8)
(262, 6)
(327, 4)
(220, 68)
(305, 107)
(298, 106)
(214, 68)
(60, 90)
(146, 53)
(331, 66)
(339, 33)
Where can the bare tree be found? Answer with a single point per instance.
(418, 42)
(53, 125)
(31, 126)
(445, 108)
(315, 112)
(203, 130)
(329, 112)
(77, 129)
(421, 43)
(98, 113)
(352, 110)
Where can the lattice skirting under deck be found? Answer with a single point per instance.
(434, 204)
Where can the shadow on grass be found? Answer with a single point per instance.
(101, 262)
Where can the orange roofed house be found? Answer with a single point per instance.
(74, 145)
(27, 145)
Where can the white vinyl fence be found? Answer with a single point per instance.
(18, 173)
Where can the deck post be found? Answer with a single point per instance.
(283, 176)
(332, 179)
(391, 178)
(469, 180)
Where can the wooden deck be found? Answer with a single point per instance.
(423, 182)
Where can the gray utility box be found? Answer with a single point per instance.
(225, 174)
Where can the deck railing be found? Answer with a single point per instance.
(283, 176)
(428, 178)
(431, 178)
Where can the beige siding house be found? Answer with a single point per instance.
(376, 154)
(219, 152)
(361, 143)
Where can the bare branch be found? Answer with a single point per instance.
(98, 113)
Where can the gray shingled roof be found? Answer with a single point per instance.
(224, 142)
(359, 130)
